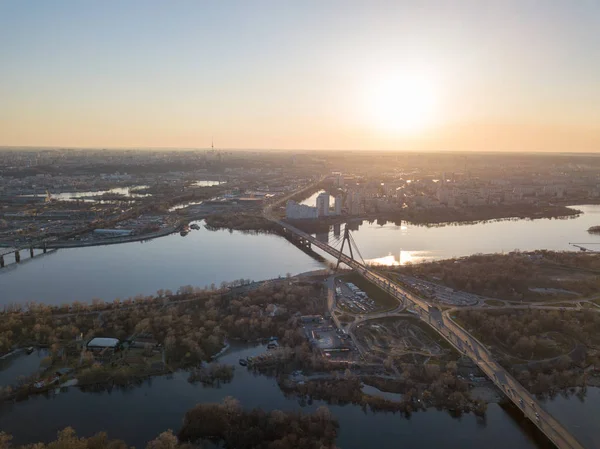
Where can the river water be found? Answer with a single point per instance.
(119, 271)
(203, 257)
(391, 244)
(84, 196)
(139, 414)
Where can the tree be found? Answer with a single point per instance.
(165, 440)
(5, 440)
(231, 405)
(323, 413)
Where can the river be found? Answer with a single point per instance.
(140, 413)
(85, 196)
(391, 244)
(203, 257)
(119, 271)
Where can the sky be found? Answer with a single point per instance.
(462, 75)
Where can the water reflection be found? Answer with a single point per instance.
(83, 196)
(404, 258)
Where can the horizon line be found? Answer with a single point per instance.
(237, 149)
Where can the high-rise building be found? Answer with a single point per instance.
(356, 204)
(338, 178)
(338, 205)
(323, 204)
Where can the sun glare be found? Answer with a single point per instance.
(402, 104)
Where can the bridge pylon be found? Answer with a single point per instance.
(344, 240)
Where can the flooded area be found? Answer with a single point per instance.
(140, 413)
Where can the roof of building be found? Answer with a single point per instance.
(103, 342)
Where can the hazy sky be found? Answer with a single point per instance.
(460, 75)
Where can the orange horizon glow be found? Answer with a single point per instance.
(473, 76)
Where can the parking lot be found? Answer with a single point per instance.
(351, 299)
(443, 294)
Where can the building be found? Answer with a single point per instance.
(323, 204)
(103, 345)
(338, 179)
(295, 211)
(354, 203)
(114, 232)
(338, 205)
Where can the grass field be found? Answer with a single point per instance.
(383, 300)
(494, 303)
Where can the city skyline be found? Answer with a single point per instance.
(460, 76)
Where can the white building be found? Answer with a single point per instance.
(355, 203)
(338, 205)
(323, 204)
(295, 211)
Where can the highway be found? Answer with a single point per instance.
(459, 338)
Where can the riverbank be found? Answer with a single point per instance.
(117, 240)
(112, 241)
(440, 217)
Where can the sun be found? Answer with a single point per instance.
(402, 104)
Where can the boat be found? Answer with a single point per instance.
(29, 350)
(243, 362)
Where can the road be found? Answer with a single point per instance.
(459, 338)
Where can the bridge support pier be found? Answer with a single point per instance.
(45, 249)
(31, 252)
(17, 257)
(1, 261)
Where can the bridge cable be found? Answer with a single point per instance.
(353, 242)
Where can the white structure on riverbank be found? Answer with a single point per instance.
(338, 205)
(295, 211)
(323, 204)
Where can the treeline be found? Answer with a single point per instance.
(479, 213)
(225, 424)
(211, 374)
(191, 326)
(594, 230)
(448, 393)
(68, 439)
(510, 276)
(420, 385)
(240, 222)
(532, 335)
(229, 425)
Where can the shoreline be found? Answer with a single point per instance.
(114, 241)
